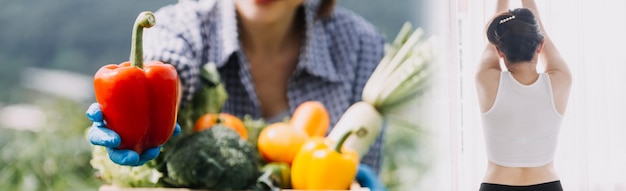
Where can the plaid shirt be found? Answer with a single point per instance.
(337, 58)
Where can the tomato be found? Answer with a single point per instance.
(210, 119)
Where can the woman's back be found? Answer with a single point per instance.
(522, 126)
(522, 109)
(521, 129)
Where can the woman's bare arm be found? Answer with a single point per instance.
(503, 5)
(556, 66)
(489, 69)
(490, 61)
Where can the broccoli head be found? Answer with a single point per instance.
(215, 158)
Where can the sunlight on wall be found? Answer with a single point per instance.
(60, 83)
(22, 117)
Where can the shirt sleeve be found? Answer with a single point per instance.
(171, 41)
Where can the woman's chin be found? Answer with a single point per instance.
(258, 10)
(256, 5)
(263, 2)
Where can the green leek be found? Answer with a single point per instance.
(401, 75)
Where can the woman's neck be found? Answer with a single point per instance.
(269, 38)
(522, 68)
(524, 72)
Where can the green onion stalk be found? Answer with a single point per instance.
(399, 78)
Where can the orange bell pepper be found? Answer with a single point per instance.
(280, 142)
(320, 166)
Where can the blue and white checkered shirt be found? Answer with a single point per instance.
(337, 58)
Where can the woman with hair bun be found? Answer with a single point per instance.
(522, 108)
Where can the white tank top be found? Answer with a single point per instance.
(521, 128)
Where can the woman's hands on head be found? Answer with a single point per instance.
(502, 5)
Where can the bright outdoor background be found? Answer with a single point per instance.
(49, 51)
(590, 36)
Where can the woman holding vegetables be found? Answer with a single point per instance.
(272, 55)
(522, 109)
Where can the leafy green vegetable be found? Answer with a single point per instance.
(254, 128)
(274, 175)
(208, 99)
(403, 72)
(215, 158)
(123, 176)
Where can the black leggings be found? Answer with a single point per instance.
(549, 186)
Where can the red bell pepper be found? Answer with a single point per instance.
(138, 102)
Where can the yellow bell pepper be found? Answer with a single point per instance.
(322, 165)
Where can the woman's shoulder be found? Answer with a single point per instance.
(185, 13)
(356, 42)
(347, 22)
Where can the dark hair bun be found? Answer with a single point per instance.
(516, 34)
(525, 14)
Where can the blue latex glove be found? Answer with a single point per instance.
(99, 134)
(366, 177)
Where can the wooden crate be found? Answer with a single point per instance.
(354, 187)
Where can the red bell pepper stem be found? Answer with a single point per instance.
(145, 20)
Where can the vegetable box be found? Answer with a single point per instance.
(354, 187)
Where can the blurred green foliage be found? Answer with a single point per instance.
(54, 158)
(81, 36)
(403, 161)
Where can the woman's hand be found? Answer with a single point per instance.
(503, 5)
(99, 134)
